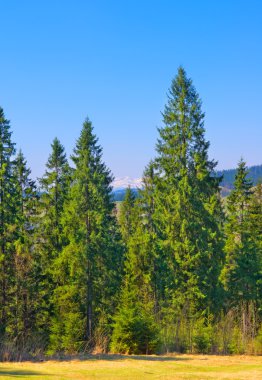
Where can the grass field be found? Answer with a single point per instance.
(114, 367)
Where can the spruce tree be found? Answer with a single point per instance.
(7, 219)
(188, 199)
(23, 310)
(238, 243)
(54, 187)
(175, 252)
(88, 266)
(125, 217)
(242, 268)
(157, 261)
(256, 232)
(135, 329)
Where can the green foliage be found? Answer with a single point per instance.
(255, 227)
(172, 273)
(187, 195)
(134, 334)
(125, 218)
(7, 221)
(22, 320)
(135, 331)
(242, 269)
(90, 262)
(54, 190)
(66, 336)
(50, 237)
(203, 336)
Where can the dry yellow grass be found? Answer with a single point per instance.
(114, 367)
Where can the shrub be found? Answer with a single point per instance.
(134, 332)
(203, 337)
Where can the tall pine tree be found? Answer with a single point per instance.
(7, 219)
(256, 234)
(242, 269)
(188, 199)
(54, 187)
(135, 330)
(23, 310)
(88, 266)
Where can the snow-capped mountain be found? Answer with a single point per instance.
(124, 182)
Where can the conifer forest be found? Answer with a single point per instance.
(176, 269)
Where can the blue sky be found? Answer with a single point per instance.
(114, 61)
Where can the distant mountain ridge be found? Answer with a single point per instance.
(255, 174)
(120, 184)
(124, 182)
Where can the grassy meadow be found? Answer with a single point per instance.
(114, 367)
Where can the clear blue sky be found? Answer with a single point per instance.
(114, 61)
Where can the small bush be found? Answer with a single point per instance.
(134, 333)
(203, 337)
(66, 334)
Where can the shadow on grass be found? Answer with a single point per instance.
(140, 357)
(91, 357)
(19, 373)
(117, 357)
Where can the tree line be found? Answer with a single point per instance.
(177, 269)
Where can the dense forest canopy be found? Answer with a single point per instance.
(174, 269)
